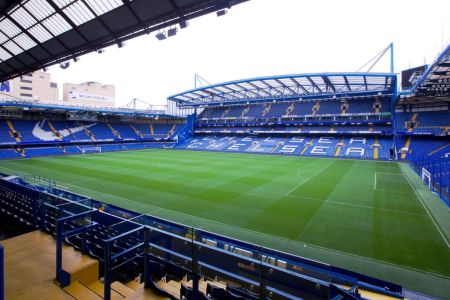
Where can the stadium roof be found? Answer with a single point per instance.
(288, 87)
(27, 105)
(435, 81)
(38, 33)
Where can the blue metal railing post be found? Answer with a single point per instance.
(107, 267)
(59, 242)
(147, 270)
(195, 275)
(2, 274)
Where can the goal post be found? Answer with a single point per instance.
(85, 150)
(426, 177)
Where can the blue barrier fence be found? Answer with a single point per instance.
(439, 177)
(2, 273)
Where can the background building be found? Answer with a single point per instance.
(36, 86)
(89, 94)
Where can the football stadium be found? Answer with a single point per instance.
(297, 186)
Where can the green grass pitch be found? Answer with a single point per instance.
(362, 215)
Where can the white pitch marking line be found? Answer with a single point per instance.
(311, 177)
(359, 205)
(426, 208)
(375, 182)
(395, 174)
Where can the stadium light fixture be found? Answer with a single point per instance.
(184, 24)
(222, 12)
(100, 51)
(120, 44)
(76, 59)
(161, 36)
(172, 32)
(64, 65)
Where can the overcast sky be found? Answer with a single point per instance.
(269, 37)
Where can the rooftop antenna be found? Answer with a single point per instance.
(133, 104)
(377, 58)
(199, 81)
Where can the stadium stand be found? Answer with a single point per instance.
(46, 137)
(326, 146)
(298, 109)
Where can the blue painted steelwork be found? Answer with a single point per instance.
(289, 87)
(392, 57)
(435, 80)
(2, 273)
(103, 111)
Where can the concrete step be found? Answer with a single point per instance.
(79, 291)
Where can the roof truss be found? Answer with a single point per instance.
(289, 87)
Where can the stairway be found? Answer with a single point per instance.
(20, 150)
(375, 149)
(339, 146)
(413, 119)
(13, 132)
(315, 108)
(55, 132)
(87, 131)
(95, 290)
(225, 113)
(278, 145)
(290, 109)
(169, 134)
(138, 133)
(115, 132)
(266, 110)
(344, 107)
(152, 129)
(377, 105)
(407, 143)
(307, 146)
(245, 111)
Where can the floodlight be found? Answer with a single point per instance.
(184, 24)
(64, 65)
(172, 32)
(120, 44)
(161, 36)
(222, 12)
(100, 51)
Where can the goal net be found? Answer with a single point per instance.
(426, 177)
(86, 150)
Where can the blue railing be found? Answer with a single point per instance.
(2, 273)
(439, 169)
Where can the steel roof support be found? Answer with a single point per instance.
(27, 34)
(314, 84)
(329, 83)
(69, 21)
(299, 85)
